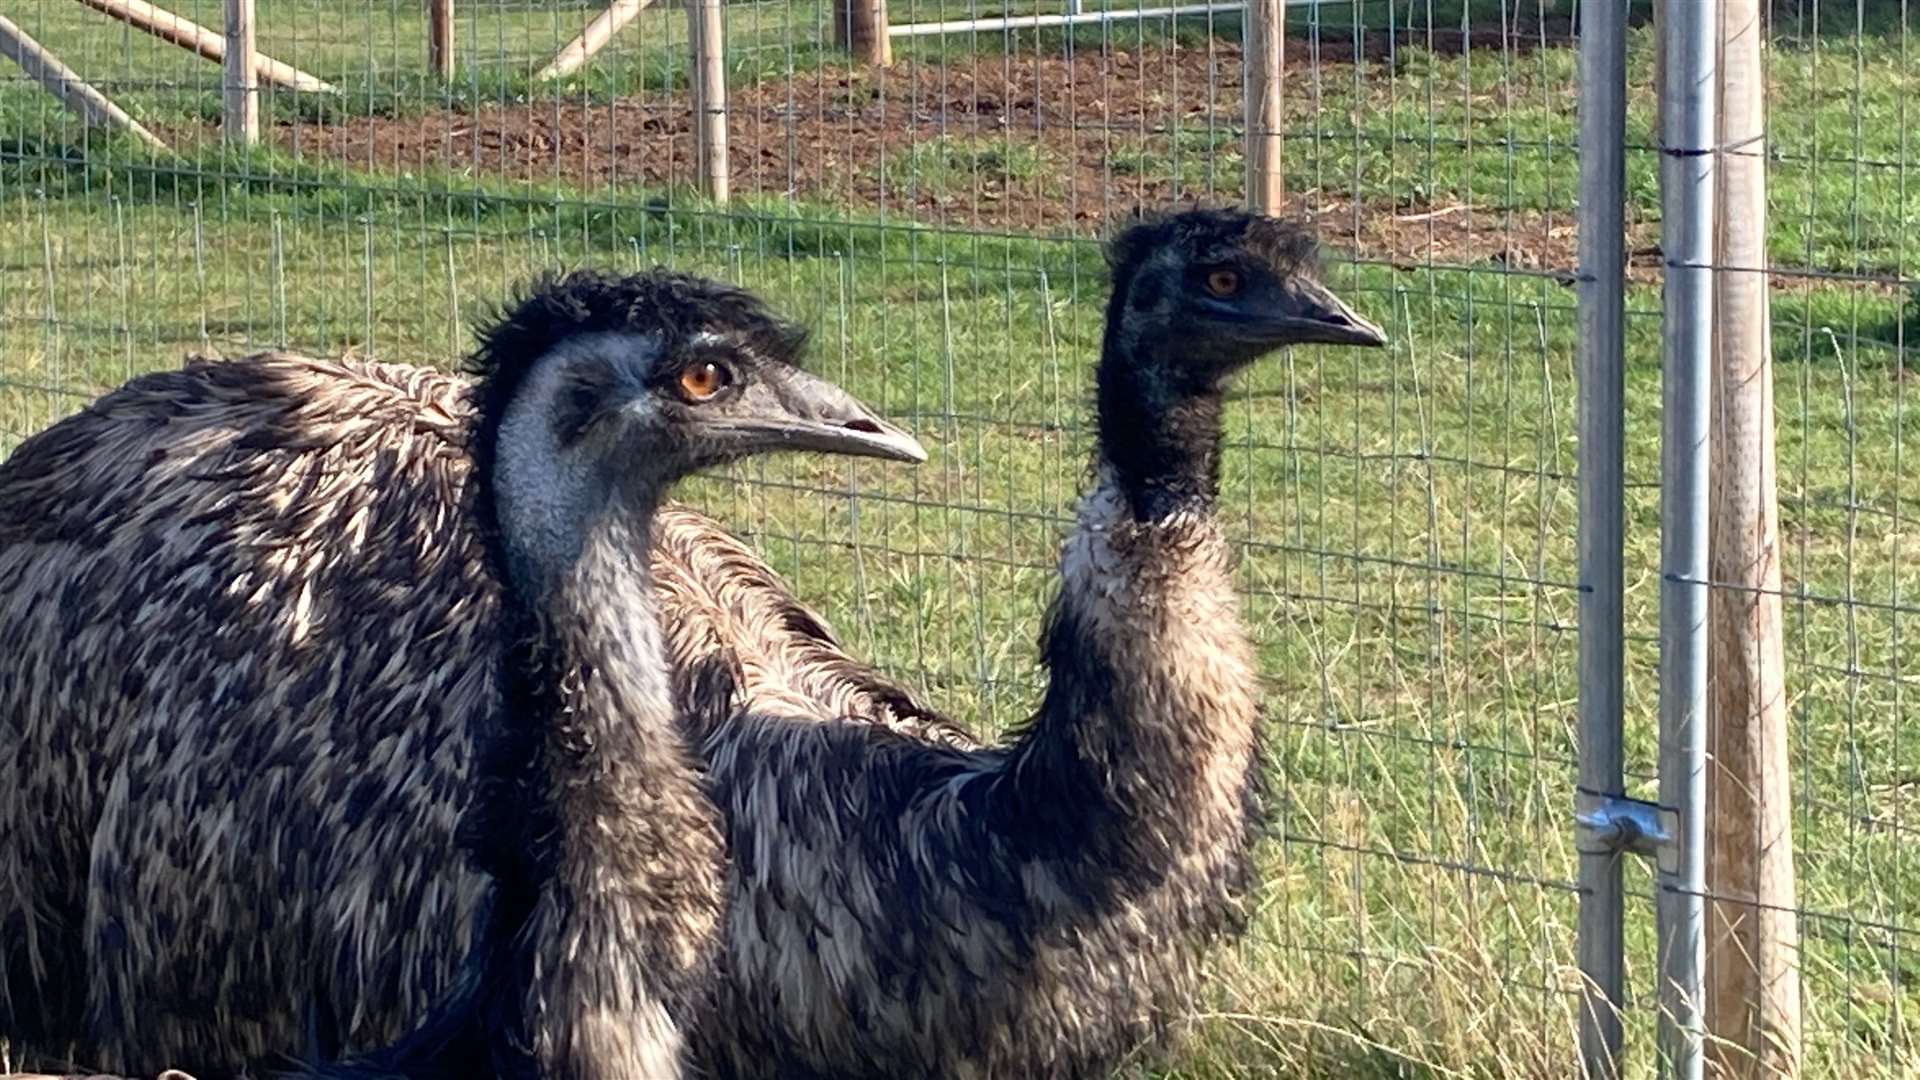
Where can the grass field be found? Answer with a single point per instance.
(1407, 518)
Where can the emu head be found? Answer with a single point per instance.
(597, 392)
(1202, 293)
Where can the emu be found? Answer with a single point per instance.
(1039, 908)
(601, 854)
(905, 901)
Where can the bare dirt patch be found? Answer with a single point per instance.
(1053, 144)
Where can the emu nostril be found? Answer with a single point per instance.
(1334, 318)
(864, 426)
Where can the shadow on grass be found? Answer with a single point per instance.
(263, 181)
(1867, 330)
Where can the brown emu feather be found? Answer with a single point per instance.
(248, 568)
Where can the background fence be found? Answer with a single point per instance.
(1407, 519)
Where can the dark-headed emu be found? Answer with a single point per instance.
(905, 901)
(905, 908)
(602, 855)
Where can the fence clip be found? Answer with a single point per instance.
(1617, 823)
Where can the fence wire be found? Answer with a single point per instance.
(1406, 519)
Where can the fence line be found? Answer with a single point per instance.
(1465, 578)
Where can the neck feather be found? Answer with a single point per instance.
(1159, 436)
(634, 898)
(1141, 762)
(611, 883)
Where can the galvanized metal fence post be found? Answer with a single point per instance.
(1686, 235)
(1602, 350)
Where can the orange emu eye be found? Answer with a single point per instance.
(1223, 282)
(703, 380)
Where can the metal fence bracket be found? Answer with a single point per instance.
(1617, 823)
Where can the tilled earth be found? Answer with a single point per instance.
(1030, 144)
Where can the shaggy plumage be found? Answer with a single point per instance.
(223, 746)
(228, 827)
(905, 902)
(901, 908)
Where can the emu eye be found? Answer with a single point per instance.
(703, 380)
(1223, 282)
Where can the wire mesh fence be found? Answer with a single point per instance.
(1406, 520)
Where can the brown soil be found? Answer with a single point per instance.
(1052, 144)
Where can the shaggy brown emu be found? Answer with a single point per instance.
(905, 902)
(1039, 908)
(604, 869)
(903, 906)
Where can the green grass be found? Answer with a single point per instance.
(955, 166)
(1199, 159)
(1407, 519)
(378, 58)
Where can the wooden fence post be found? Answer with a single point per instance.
(60, 81)
(1266, 31)
(1752, 1002)
(707, 32)
(860, 27)
(440, 38)
(188, 34)
(240, 123)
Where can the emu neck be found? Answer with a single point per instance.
(630, 894)
(599, 619)
(1159, 439)
(1139, 762)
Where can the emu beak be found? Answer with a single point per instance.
(1310, 314)
(810, 413)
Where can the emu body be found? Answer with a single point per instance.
(233, 775)
(1040, 908)
(233, 813)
